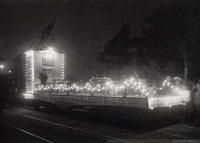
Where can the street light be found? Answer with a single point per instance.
(1, 66)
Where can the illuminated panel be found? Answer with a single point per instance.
(166, 101)
(63, 66)
(48, 59)
(138, 86)
(184, 93)
(28, 96)
(29, 72)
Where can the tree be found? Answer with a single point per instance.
(47, 36)
(166, 34)
(2, 60)
(140, 55)
(118, 52)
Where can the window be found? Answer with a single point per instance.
(47, 59)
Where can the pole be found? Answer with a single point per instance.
(136, 75)
(186, 48)
(67, 1)
(186, 62)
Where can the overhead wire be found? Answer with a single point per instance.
(67, 1)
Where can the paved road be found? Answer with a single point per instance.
(17, 128)
(17, 125)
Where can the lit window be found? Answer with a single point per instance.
(47, 59)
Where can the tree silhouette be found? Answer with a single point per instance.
(166, 35)
(140, 52)
(118, 52)
(2, 60)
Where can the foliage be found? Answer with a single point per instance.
(2, 60)
(168, 29)
(117, 52)
(140, 55)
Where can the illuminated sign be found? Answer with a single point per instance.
(28, 96)
(164, 101)
(64, 102)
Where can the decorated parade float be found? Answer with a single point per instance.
(100, 94)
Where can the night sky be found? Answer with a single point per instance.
(80, 33)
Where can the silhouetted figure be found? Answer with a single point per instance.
(197, 103)
(186, 97)
(192, 85)
(43, 77)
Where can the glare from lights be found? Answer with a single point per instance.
(107, 83)
(1, 66)
(50, 48)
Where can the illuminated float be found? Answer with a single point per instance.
(99, 92)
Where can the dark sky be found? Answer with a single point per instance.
(80, 34)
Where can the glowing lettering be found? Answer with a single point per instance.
(89, 100)
(114, 101)
(94, 100)
(105, 101)
(121, 102)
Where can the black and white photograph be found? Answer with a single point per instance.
(99, 71)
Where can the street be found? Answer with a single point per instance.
(23, 124)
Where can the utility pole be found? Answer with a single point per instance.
(186, 46)
(55, 25)
(186, 64)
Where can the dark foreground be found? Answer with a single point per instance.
(20, 123)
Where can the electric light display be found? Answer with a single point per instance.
(112, 88)
(35, 61)
(29, 74)
(166, 83)
(164, 101)
(92, 87)
(137, 86)
(104, 87)
(63, 66)
(185, 94)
